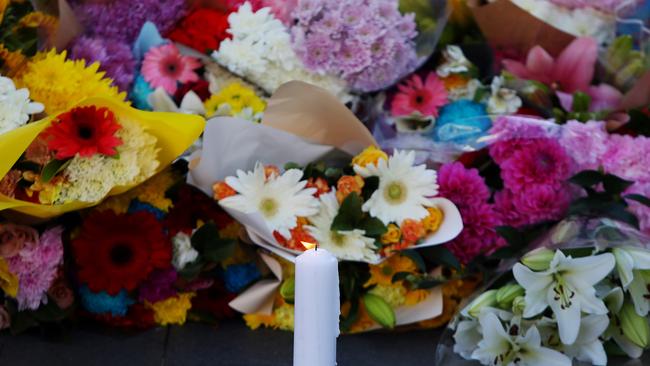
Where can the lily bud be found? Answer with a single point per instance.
(486, 299)
(628, 74)
(507, 294)
(634, 326)
(379, 310)
(617, 53)
(287, 290)
(539, 259)
(518, 305)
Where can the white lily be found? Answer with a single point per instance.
(567, 287)
(508, 347)
(162, 102)
(502, 100)
(614, 300)
(630, 262)
(468, 334)
(588, 347)
(454, 62)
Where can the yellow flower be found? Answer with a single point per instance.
(231, 231)
(237, 97)
(370, 155)
(363, 321)
(283, 317)
(59, 83)
(3, 8)
(415, 296)
(13, 62)
(382, 274)
(172, 310)
(8, 281)
(392, 235)
(432, 222)
(255, 321)
(394, 294)
(38, 19)
(154, 189)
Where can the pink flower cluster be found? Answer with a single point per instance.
(36, 266)
(368, 43)
(609, 6)
(467, 190)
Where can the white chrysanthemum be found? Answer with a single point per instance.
(279, 199)
(184, 253)
(404, 190)
(348, 245)
(15, 106)
(91, 179)
(260, 51)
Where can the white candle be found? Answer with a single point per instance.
(317, 309)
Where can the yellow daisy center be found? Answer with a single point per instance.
(268, 207)
(395, 193)
(337, 238)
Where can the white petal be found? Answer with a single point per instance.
(638, 290)
(535, 303)
(589, 270)
(495, 340)
(631, 349)
(568, 318)
(467, 338)
(543, 356)
(592, 327)
(530, 280)
(593, 352)
(624, 265)
(589, 302)
(641, 257)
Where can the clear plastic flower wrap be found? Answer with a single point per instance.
(580, 294)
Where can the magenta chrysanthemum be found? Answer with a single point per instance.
(586, 143)
(36, 268)
(464, 187)
(628, 157)
(641, 211)
(533, 204)
(540, 161)
(115, 58)
(479, 232)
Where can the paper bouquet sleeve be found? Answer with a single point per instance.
(174, 134)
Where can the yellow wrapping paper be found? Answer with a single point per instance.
(174, 133)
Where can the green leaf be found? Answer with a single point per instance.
(581, 102)
(373, 227)
(620, 213)
(220, 250)
(22, 321)
(639, 198)
(428, 283)
(52, 168)
(585, 206)
(292, 165)
(400, 276)
(587, 178)
(513, 236)
(29, 166)
(369, 187)
(416, 258)
(349, 214)
(210, 245)
(441, 255)
(205, 236)
(615, 185)
(346, 322)
(191, 270)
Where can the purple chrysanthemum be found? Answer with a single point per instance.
(159, 286)
(123, 19)
(115, 58)
(464, 187)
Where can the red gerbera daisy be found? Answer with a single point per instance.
(85, 131)
(417, 96)
(115, 252)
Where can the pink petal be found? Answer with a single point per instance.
(575, 66)
(566, 100)
(517, 69)
(540, 64)
(604, 97)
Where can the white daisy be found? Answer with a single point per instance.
(348, 245)
(404, 190)
(279, 199)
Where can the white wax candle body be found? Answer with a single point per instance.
(317, 309)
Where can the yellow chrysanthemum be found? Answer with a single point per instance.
(453, 292)
(370, 155)
(8, 281)
(172, 310)
(382, 274)
(363, 320)
(59, 83)
(154, 189)
(254, 321)
(38, 19)
(12, 62)
(237, 97)
(3, 8)
(392, 235)
(432, 222)
(393, 294)
(414, 297)
(231, 231)
(283, 317)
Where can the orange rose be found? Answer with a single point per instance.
(412, 231)
(222, 190)
(320, 184)
(348, 184)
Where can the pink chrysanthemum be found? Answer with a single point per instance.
(533, 204)
(36, 268)
(540, 161)
(416, 96)
(165, 67)
(464, 187)
(479, 232)
(628, 157)
(586, 143)
(641, 211)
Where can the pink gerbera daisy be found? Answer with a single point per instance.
(164, 67)
(416, 96)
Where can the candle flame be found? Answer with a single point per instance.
(308, 245)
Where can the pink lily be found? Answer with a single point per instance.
(603, 97)
(572, 71)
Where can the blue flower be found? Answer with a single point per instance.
(238, 276)
(102, 302)
(137, 205)
(140, 93)
(461, 122)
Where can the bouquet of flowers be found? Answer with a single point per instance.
(582, 295)
(76, 158)
(33, 288)
(155, 255)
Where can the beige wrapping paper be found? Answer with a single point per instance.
(507, 26)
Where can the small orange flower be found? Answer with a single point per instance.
(455, 81)
(270, 170)
(415, 297)
(298, 235)
(320, 184)
(412, 231)
(348, 184)
(392, 235)
(432, 222)
(222, 190)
